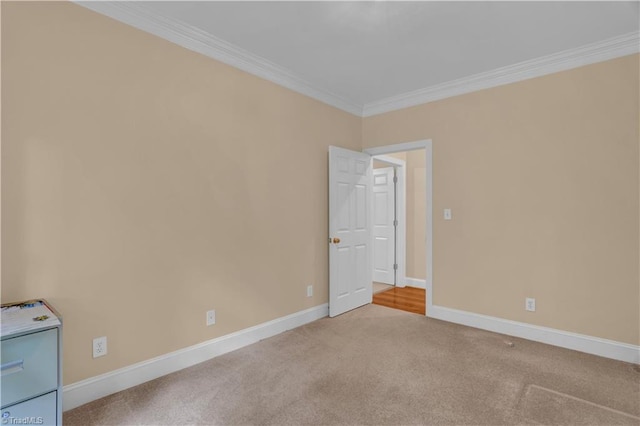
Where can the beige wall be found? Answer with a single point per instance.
(416, 214)
(143, 184)
(379, 164)
(542, 178)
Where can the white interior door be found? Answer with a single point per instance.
(384, 231)
(350, 269)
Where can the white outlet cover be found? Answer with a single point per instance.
(309, 291)
(211, 317)
(99, 346)
(530, 304)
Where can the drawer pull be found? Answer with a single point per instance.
(12, 367)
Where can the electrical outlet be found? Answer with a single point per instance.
(530, 304)
(211, 317)
(309, 290)
(99, 346)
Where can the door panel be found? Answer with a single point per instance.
(362, 262)
(380, 254)
(361, 208)
(383, 228)
(350, 266)
(343, 257)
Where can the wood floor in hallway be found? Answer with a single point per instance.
(408, 299)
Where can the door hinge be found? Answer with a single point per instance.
(395, 179)
(395, 266)
(395, 222)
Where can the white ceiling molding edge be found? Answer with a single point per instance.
(615, 47)
(131, 13)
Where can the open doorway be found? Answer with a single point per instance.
(388, 222)
(407, 287)
(350, 233)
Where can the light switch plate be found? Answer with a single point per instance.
(447, 214)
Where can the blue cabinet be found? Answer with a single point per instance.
(31, 364)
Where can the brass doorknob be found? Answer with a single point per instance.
(336, 240)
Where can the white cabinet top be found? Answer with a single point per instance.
(27, 316)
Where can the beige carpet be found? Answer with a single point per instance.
(329, 372)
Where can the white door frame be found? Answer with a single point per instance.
(427, 145)
(401, 213)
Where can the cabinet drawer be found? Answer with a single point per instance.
(29, 366)
(37, 411)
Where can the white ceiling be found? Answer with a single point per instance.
(372, 56)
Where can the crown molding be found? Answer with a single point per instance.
(134, 14)
(192, 38)
(626, 44)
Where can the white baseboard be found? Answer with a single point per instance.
(415, 282)
(565, 339)
(88, 390)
